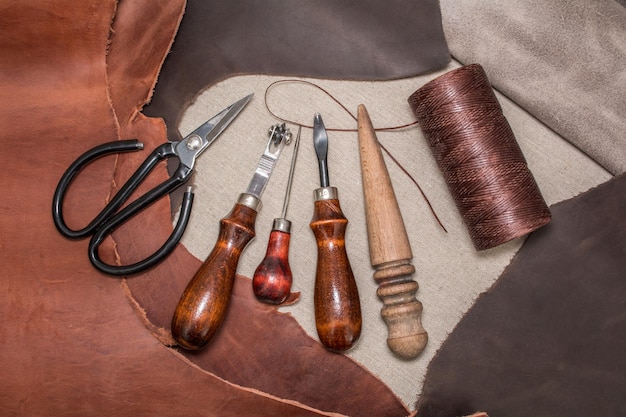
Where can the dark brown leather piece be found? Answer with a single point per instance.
(358, 39)
(549, 337)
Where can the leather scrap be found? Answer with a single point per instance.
(549, 337)
(564, 62)
(359, 40)
(136, 53)
(74, 342)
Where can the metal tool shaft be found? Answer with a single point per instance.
(320, 143)
(292, 170)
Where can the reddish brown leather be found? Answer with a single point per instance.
(137, 50)
(71, 343)
(549, 337)
(74, 341)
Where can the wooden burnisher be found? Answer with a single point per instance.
(390, 250)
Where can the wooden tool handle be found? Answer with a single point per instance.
(272, 279)
(390, 250)
(337, 306)
(202, 307)
(401, 311)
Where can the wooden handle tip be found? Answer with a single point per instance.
(408, 347)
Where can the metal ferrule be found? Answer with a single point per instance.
(282, 225)
(250, 200)
(325, 193)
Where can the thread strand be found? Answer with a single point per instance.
(338, 102)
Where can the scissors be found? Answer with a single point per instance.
(186, 151)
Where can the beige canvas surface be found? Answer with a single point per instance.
(558, 69)
(451, 273)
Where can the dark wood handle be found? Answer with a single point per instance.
(202, 307)
(272, 279)
(337, 306)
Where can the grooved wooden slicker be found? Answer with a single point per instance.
(390, 250)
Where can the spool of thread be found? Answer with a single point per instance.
(479, 157)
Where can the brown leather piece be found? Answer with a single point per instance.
(357, 39)
(71, 343)
(132, 73)
(549, 337)
(74, 342)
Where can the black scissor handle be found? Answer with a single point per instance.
(109, 219)
(72, 171)
(150, 261)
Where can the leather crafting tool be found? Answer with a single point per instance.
(272, 279)
(336, 297)
(202, 307)
(186, 151)
(390, 250)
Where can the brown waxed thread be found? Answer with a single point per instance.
(393, 158)
(479, 157)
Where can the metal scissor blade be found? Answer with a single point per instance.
(204, 135)
(213, 127)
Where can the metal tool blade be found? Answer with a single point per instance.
(204, 135)
(279, 135)
(320, 143)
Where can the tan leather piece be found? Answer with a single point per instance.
(561, 61)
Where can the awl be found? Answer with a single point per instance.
(272, 279)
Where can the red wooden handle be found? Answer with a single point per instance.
(272, 279)
(337, 306)
(202, 307)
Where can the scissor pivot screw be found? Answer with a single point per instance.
(194, 142)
